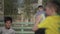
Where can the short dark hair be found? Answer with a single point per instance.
(7, 19)
(55, 4)
(40, 6)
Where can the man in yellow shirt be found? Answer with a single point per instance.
(52, 22)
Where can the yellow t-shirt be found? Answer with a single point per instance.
(51, 24)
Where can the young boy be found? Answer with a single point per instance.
(40, 16)
(7, 28)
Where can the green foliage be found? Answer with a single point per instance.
(27, 10)
(44, 2)
(9, 9)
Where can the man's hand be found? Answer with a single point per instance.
(35, 28)
(37, 21)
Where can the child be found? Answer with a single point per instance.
(40, 16)
(7, 28)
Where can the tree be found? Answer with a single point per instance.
(9, 9)
(27, 10)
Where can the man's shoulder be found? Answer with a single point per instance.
(3, 28)
(12, 30)
(52, 18)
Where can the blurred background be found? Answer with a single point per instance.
(23, 13)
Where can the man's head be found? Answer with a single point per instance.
(52, 8)
(40, 7)
(8, 22)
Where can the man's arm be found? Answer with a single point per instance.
(37, 20)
